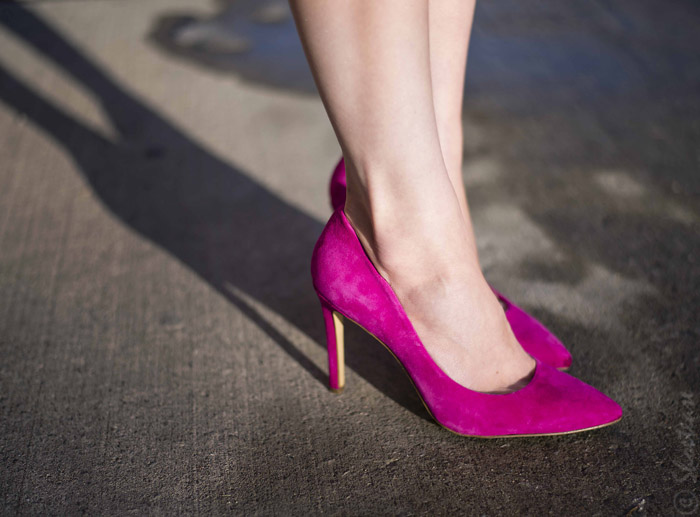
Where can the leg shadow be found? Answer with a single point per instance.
(232, 232)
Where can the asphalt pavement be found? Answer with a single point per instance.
(163, 179)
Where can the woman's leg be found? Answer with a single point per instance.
(450, 25)
(371, 62)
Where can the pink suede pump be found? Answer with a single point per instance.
(349, 286)
(532, 335)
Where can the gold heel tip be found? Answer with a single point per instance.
(337, 391)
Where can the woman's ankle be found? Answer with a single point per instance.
(394, 188)
(407, 235)
(452, 145)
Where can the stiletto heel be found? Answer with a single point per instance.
(347, 282)
(335, 341)
(536, 339)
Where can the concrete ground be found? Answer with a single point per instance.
(161, 343)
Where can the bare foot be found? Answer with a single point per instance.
(428, 259)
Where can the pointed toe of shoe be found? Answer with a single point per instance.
(547, 346)
(601, 411)
(571, 405)
(552, 403)
(536, 339)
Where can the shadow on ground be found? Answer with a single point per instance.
(239, 237)
(255, 40)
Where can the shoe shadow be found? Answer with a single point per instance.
(233, 233)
